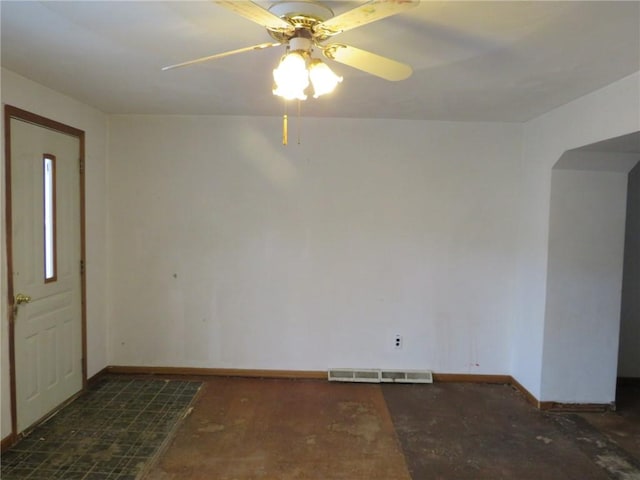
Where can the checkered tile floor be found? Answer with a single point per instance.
(111, 433)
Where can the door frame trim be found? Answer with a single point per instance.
(11, 112)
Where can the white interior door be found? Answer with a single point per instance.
(46, 268)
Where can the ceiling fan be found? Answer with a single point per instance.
(304, 25)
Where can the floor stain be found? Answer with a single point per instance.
(212, 428)
(619, 467)
(366, 427)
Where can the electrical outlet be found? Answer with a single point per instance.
(397, 341)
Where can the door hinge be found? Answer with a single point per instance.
(81, 267)
(81, 162)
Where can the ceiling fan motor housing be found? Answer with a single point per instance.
(289, 10)
(302, 16)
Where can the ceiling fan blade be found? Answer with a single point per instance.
(257, 14)
(372, 63)
(221, 55)
(369, 12)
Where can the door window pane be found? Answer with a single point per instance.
(49, 181)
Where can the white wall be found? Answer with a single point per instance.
(584, 280)
(609, 112)
(629, 357)
(230, 250)
(25, 94)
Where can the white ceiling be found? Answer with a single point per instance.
(472, 61)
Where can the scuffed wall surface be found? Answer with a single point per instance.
(230, 250)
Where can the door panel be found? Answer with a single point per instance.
(48, 329)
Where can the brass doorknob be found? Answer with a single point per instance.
(22, 298)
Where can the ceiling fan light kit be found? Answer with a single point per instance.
(301, 26)
(297, 69)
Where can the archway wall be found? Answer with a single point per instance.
(584, 277)
(629, 350)
(607, 113)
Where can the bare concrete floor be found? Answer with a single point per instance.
(291, 429)
(622, 426)
(471, 431)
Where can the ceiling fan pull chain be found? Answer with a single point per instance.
(284, 129)
(284, 125)
(299, 121)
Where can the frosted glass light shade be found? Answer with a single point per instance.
(291, 77)
(323, 79)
